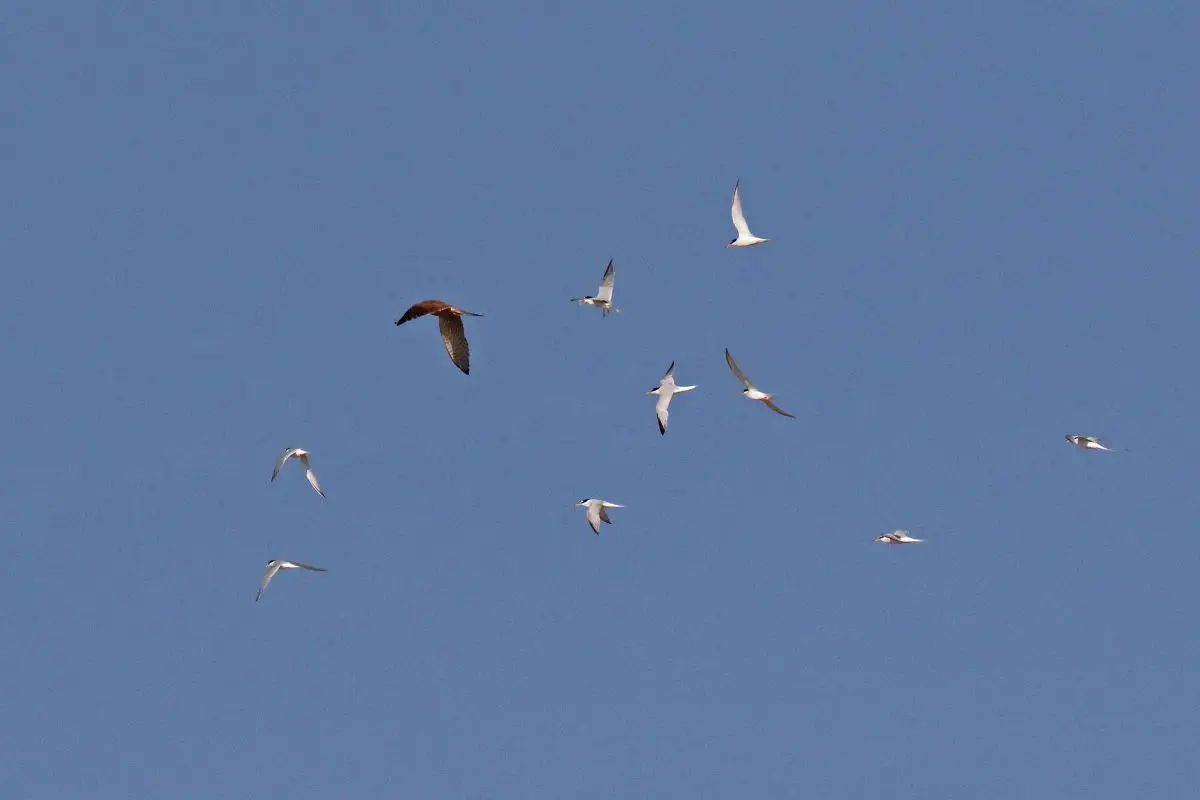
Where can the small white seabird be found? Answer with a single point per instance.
(897, 537)
(744, 238)
(303, 456)
(750, 391)
(1087, 442)
(603, 298)
(666, 389)
(596, 512)
(274, 565)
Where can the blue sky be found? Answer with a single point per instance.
(983, 239)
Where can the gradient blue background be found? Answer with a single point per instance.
(984, 238)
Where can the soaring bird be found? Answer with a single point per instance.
(1087, 442)
(744, 238)
(274, 565)
(897, 537)
(303, 456)
(451, 327)
(603, 298)
(597, 512)
(666, 389)
(750, 391)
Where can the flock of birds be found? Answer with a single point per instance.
(454, 337)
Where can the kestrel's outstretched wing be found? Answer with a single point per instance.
(455, 339)
(422, 308)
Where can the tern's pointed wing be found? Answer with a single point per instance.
(312, 480)
(312, 476)
(593, 515)
(283, 457)
(670, 371)
(739, 219)
(262, 587)
(309, 566)
(737, 373)
(606, 284)
(421, 309)
(660, 410)
(455, 339)
(771, 405)
(603, 514)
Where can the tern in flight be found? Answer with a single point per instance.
(274, 565)
(450, 324)
(744, 238)
(597, 512)
(750, 391)
(603, 298)
(897, 537)
(1087, 442)
(303, 456)
(666, 389)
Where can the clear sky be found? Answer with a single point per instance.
(983, 224)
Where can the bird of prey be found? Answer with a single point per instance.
(597, 512)
(666, 389)
(750, 391)
(897, 537)
(744, 238)
(451, 327)
(603, 298)
(1087, 442)
(303, 456)
(274, 565)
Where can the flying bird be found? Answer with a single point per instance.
(303, 456)
(1087, 442)
(666, 389)
(750, 391)
(274, 566)
(744, 238)
(897, 537)
(451, 326)
(603, 298)
(597, 512)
